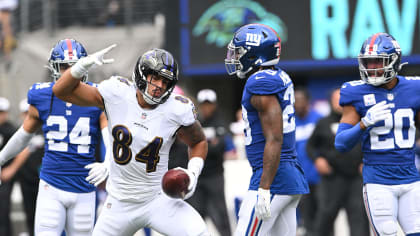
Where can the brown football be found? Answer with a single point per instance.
(175, 183)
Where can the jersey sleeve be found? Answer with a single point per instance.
(112, 88)
(185, 112)
(347, 96)
(38, 93)
(263, 83)
(414, 89)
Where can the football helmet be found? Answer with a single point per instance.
(252, 46)
(63, 55)
(158, 62)
(379, 59)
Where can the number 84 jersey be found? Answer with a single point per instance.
(388, 146)
(140, 139)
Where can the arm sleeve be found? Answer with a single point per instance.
(347, 136)
(16, 144)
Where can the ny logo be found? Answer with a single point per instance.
(253, 39)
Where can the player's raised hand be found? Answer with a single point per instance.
(262, 208)
(83, 65)
(376, 113)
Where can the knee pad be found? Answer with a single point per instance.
(50, 218)
(388, 228)
(83, 220)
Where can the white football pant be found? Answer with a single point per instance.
(58, 210)
(282, 221)
(388, 205)
(165, 215)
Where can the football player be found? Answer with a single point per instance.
(66, 195)
(380, 110)
(277, 182)
(144, 119)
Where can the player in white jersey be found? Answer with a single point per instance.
(144, 119)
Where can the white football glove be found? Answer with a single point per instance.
(262, 208)
(98, 173)
(195, 166)
(193, 182)
(376, 113)
(82, 66)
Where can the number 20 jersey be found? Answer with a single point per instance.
(289, 178)
(71, 135)
(140, 139)
(388, 146)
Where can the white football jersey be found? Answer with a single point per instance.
(140, 139)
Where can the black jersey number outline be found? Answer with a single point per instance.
(121, 150)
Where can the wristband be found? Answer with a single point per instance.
(195, 165)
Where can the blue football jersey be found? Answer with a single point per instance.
(388, 146)
(304, 129)
(71, 136)
(289, 178)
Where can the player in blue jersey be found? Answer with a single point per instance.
(381, 110)
(66, 195)
(277, 182)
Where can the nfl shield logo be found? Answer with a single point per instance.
(390, 96)
(143, 115)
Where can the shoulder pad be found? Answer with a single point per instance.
(41, 85)
(122, 80)
(268, 82)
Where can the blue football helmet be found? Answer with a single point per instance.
(252, 46)
(157, 62)
(63, 55)
(379, 59)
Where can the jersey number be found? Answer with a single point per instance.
(122, 151)
(394, 121)
(79, 134)
(289, 124)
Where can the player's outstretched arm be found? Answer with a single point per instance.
(194, 137)
(69, 87)
(21, 137)
(271, 118)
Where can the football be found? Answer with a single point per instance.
(175, 183)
